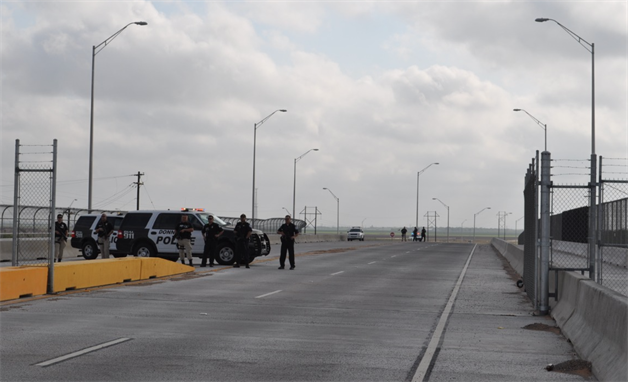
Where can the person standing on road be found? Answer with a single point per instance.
(243, 232)
(404, 231)
(288, 232)
(183, 232)
(211, 233)
(415, 232)
(61, 236)
(423, 233)
(104, 230)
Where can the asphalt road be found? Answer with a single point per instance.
(359, 311)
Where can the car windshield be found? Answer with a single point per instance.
(355, 230)
(205, 219)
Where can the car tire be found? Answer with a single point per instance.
(90, 250)
(144, 249)
(225, 252)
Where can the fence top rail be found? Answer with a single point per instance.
(568, 186)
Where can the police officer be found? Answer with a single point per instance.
(242, 232)
(288, 232)
(415, 232)
(104, 230)
(423, 234)
(211, 233)
(183, 231)
(404, 231)
(61, 236)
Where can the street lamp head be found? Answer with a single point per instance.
(324, 188)
(516, 109)
(283, 110)
(315, 149)
(541, 20)
(141, 23)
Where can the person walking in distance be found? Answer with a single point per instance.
(104, 230)
(183, 232)
(415, 233)
(242, 231)
(211, 233)
(288, 232)
(61, 236)
(423, 233)
(404, 231)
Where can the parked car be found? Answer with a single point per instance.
(355, 233)
(151, 234)
(85, 239)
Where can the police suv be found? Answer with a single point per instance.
(85, 239)
(152, 234)
(355, 233)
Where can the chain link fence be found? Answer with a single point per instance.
(613, 225)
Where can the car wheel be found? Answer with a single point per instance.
(226, 254)
(90, 250)
(144, 249)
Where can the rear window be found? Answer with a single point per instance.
(138, 220)
(167, 221)
(84, 222)
(115, 222)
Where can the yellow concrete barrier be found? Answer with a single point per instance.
(155, 267)
(86, 274)
(24, 281)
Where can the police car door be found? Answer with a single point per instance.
(163, 231)
(197, 242)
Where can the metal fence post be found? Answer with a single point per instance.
(16, 200)
(545, 231)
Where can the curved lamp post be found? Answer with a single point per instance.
(441, 202)
(294, 188)
(337, 210)
(590, 47)
(418, 175)
(543, 125)
(474, 215)
(95, 50)
(255, 126)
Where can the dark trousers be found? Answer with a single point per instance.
(242, 251)
(209, 251)
(287, 246)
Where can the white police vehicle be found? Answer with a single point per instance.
(152, 234)
(355, 233)
(85, 239)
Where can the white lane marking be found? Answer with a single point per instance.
(81, 352)
(337, 273)
(395, 255)
(268, 294)
(372, 262)
(421, 371)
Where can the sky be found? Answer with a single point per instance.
(382, 89)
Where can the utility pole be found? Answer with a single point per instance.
(139, 183)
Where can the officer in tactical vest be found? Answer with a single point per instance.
(288, 232)
(242, 232)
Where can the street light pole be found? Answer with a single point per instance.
(474, 215)
(543, 125)
(418, 175)
(337, 210)
(441, 202)
(95, 50)
(255, 126)
(294, 188)
(590, 47)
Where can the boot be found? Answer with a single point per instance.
(191, 263)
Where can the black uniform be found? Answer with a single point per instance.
(241, 231)
(423, 233)
(209, 233)
(106, 229)
(416, 234)
(61, 232)
(186, 234)
(287, 243)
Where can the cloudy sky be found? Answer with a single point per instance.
(382, 89)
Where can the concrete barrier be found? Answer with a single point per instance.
(513, 253)
(595, 319)
(24, 281)
(155, 267)
(86, 274)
